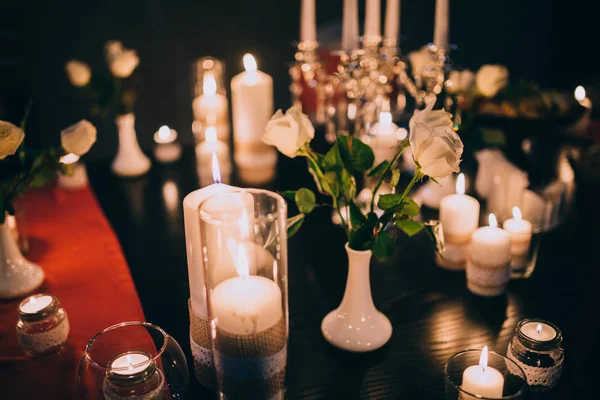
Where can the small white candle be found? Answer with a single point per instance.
(166, 150)
(440, 33)
(373, 19)
(538, 331)
(206, 152)
(392, 20)
(210, 106)
(350, 28)
(482, 380)
(308, 21)
(130, 363)
(520, 234)
(78, 178)
(35, 304)
(386, 138)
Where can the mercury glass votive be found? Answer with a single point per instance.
(481, 375)
(43, 326)
(537, 349)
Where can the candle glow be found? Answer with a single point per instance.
(493, 221)
(211, 134)
(164, 132)
(385, 118)
(538, 328)
(483, 360)
(216, 172)
(580, 93)
(516, 212)
(460, 184)
(69, 158)
(250, 63)
(209, 85)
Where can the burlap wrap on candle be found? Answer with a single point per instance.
(200, 346)
(487, 280)
(251, 366)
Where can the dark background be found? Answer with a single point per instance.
(551, 42)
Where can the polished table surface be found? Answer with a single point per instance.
(432, 312)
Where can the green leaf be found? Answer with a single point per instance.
(317, 174)
(357, 218)
(395, 178)
(409, 207)
(305, 200)
(357, 156)
(383, 247)
(43, 177)
(294, 224)
(409, 226)
(387, 201)
(331, 184)
(332, 160)
(380, 169)
(289, 194)
(362, 238)
(347, 185)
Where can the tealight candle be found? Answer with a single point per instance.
(482, 380)
(459, 216)
(520, 236)
(488, 265)
(385, 139)
(167, 149)
(78, 178)
(133, 375)
(210, 148)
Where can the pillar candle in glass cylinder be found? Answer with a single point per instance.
(488, 265)
(252, 107)
(482, 380)
(520, 237)
(459, 216)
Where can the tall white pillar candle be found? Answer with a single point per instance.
(373, 19)
(392, 20)
(482, 380)
(520, 237)
(350, 25)
(308, 23)
(442, 23)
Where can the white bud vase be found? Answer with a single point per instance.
(130, 160)
(356, 325)
(17, 275)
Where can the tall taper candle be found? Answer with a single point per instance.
(350, 25)
(442, 23)
(373, 19)
(392, 20)
(308, 23)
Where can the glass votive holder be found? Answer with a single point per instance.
(43, 326)
(245, 264)
(537, 349)
(478, 374)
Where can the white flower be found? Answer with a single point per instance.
(78, 72)
(460, 81)
(78, 138)
(491, 79)
(289, 132)
(123, 63)
(419, 59)
(435, 146)
(11, 138)
(112, 49)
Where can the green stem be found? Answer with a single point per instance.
(403, 147)
(418, 176)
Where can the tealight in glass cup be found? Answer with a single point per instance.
(244, 242)
(510, 377)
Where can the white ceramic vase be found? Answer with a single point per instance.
(356, 325)
(17, 275)
(130, 160)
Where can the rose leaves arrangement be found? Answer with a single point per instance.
(436, 149)
(22, 168)
(112, 92)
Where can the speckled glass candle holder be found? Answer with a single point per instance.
(43, 326)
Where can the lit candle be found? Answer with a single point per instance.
(440, 33)
(350, 27)
(167, 149)
(130, 363)
(373, 20)
(538, 331)
(35, 304)
(133, 375)
(392, 21)
(459, 216)
(385, 139)
(308, 22)
(520, 236)
(482, 380)
(580, 96)
(211, 106)
(252, 107)
(488, 267)
(206, 152)
(78, 178)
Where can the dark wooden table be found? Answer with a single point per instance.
(432, 312)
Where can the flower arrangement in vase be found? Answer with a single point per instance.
(436, 150)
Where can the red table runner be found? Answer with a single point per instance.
(73, 242)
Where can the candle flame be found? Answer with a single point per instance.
(69, 158)
(351, 111)
(517, 213)
(250, 63)
(460, 184)
(580, 93)
(216, 172)
(483, 360)
(211, 134)
(385, 118)
(493, 221)
(538, 328)
(164, 132)
(129, 361)
(32, 300)
(209, 85)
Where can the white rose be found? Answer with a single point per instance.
(289, 132)
(112, 49)
(419, 59)
(78, 72)
(123, 64)
(460, 81)
(491, 79)
(78, 138)
(435, 146)
(11, 138)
